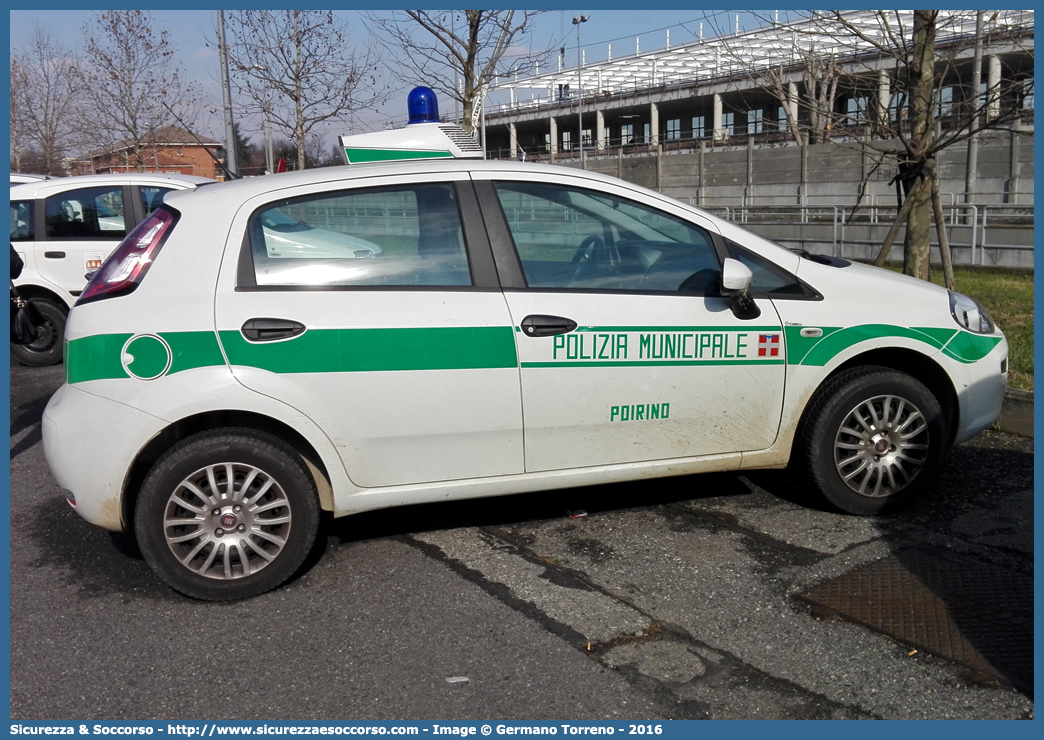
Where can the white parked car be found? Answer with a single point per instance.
(64, 228)
(520, 327)
(19, 178)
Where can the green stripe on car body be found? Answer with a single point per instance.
(652, 363)
(639, 329)
(99, 357)
(962, 346)
(968, 348)
(369, 350)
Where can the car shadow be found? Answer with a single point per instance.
(959, 581)
(532, 507)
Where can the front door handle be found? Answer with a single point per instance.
(268, 330)
(539, 325)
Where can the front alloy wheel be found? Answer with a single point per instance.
(881, 446)
(870, 440)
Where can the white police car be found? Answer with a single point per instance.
(64, 227)
(522, 327)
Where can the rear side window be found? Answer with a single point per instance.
(397, 236)
(87, 213)
(151, 198)
(21, 220)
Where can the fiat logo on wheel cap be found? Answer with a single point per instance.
(228, 521)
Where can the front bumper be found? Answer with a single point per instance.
(980, 392)
(90, 443)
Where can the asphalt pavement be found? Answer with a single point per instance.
(681, 598)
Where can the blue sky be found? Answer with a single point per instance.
(190, 29)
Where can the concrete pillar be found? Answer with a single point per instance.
(513, 141)
(884, 97)
(600, 129)
(993, 80)
(792, 100)
(1013, 164)
(749, 190)
(654, 124)
(718, 131)
(803, 185)
(554, 139)
(700, 187)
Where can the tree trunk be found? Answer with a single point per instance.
(918, 230)
(886, 246)
(944, 241)
(922, 78)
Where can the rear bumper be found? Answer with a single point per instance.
(90, 443)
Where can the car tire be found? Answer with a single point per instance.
(216, 542)
(47, 350)
(870, 440)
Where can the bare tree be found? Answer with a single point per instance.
(50, 98)
(19, 85)
(130, 73)
(301, 69)
(901, 69)
(442, 47)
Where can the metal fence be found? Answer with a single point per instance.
(967, 224)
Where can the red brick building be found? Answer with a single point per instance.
(175, 151)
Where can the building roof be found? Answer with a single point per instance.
(782, 43)
(166, 136)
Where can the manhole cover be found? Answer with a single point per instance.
(954, 606)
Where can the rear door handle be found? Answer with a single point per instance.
(268, 330)
(539, 325)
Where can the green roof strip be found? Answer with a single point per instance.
(363, 156)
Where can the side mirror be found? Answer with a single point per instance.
(735, 277)
(735, 285)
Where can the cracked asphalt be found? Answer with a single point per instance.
(670, 599)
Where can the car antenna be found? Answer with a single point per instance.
(217, 161)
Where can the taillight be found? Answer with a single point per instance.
(125, 268)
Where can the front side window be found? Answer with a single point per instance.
(568, 238)
(87, 213)
(21, 220)
(396, 236)
(769, 279)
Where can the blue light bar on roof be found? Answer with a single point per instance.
(422, 105)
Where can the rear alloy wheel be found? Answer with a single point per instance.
(871, 439)
(47, 349)
(227, 515)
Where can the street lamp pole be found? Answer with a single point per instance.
(231, 165)
(577, 20)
